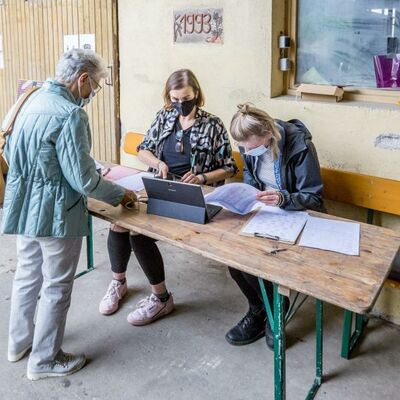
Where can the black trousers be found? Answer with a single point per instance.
(250, 287)
(120, 246)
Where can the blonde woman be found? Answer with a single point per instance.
(193, 145)
(280, 160)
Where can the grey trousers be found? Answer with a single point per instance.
(46, 266)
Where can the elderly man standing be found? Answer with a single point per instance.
(50, 176)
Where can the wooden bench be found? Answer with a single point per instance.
(372, 193)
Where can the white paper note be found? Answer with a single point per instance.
(327, 234)
(134, 182)
(276, 223)
(239, 198)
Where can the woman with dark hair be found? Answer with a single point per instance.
(191, 144)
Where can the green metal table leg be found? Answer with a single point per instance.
(350, 339)
(318, 351)
(266, 303)
(279, 346)
(347, 323)
(278, 323)
(89, 249)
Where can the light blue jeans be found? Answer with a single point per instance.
(46, 266)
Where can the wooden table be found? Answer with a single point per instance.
(350, 282)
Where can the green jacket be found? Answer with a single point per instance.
(51, 171)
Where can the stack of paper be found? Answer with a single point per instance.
(327, 234)
(277, 224)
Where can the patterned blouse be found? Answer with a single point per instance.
(209, 140)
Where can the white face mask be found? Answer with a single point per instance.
(84, 101)
(257, 151)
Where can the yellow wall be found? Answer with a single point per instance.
(244, 68)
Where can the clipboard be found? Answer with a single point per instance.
(276, 224)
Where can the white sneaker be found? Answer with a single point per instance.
(150, 309)
(12, 357)
(65, 364)
(110, 302)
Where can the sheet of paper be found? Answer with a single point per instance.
(134, 182)
(275, 222)
(119, 172)
(327, 234)
(239, 198)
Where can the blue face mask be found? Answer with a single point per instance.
(257, 151)
(84, 101)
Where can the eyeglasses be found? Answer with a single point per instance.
(179, 141)
(99, 87)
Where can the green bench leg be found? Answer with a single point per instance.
(350, 339)
(89, 250)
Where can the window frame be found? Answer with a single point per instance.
(352, 93)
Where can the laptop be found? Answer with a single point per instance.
(178, 200)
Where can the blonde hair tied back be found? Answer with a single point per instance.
(251, 121)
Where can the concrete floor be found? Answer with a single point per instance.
(185, 355)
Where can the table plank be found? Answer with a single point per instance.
(350, 282)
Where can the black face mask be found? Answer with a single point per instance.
(184, 108)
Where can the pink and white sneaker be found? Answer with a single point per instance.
(150, 309)
(115, 292)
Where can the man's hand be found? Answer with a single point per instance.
(129, 200)
(189, 177)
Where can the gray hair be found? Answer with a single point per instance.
(77, 61)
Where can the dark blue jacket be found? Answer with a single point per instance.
(297, 169)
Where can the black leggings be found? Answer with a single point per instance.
(120, 246)
(250, 287)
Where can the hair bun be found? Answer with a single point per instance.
(244, 108)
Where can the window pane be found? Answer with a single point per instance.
(337, 39)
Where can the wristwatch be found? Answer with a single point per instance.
(204, 178)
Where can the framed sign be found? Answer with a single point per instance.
(198, 26)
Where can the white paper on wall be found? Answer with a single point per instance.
(71, 42)
(84, 41)
(87, 41)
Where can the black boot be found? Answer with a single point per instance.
(249, 329)
(269, 334)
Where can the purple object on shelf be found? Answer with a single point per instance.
(387, 71)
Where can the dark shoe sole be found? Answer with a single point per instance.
(244, 342)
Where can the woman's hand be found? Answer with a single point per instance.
(129, 199)
(162, 170)
(189, 177)
(270, 197)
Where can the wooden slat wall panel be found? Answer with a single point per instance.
(33, 40)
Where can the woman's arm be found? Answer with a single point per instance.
(308, 189)
(148, 158)
(211, 177)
